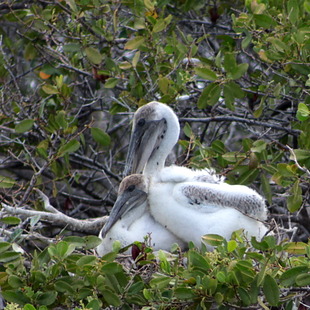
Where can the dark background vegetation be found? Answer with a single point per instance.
(73, 72)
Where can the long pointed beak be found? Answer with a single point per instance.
(123, 204)
(143, 142)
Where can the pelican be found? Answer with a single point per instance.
(155, 131)
(193, 209)
(130, 219)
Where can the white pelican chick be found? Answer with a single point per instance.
(155, 132)
(130, 219)
(193, 209)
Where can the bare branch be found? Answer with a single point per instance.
(57, 218)
(296, 162)
(294, 132)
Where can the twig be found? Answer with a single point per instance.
(92, 226)
(294, 132)
(296, 162)
(87, 162)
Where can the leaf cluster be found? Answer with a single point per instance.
(238, 273)
(71, 74)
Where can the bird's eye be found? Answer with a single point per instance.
(141, 122)
(131, 188)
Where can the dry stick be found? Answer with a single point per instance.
(92, 226)
(296, 162)
(240, 120)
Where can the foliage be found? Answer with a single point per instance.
(71, 73)
(236, 274)
(83, 56)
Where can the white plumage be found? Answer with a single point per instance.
(189, 203)
(130, 219)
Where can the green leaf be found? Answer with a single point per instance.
(63, 287)
(259, 146)
(266, 187)
(10, 220)
(289, 276)
(244, 296)
(47, 298)
(221, 277)
(76, 240)
(301, 154)
(39, 276)
(293, 11)
(6, 182)
(100, 136)
(91, 242)
(294, 201)
(86, 260)
(232, 90)
(15, 296)
(297, 248)
(111, 82)
(15, 281)
(29, 307)
(93, 55)
(135, 59)
(160, 282)
(50, 90)
(278, 45)
(213, 239)
(72, 48)
(229, 63)
(111, 298)
(247, 40)
(218, 146)
(134, 43)
(209, 96)
(239, 71)
(301, 68)
(302, 112)
(187, 130)
(184, 293)
(8, 256)
(112, 268)
(93, 305)
(163, 84)
(72, 5)
(4, 246)
(161, 24)
(30, 51)
(196, 260)
(303, 279)
(61, 248)
(231, 245)
(206, 73)
(271, 290)
(61, 119)
(210, 284)
(264, 21)
(136, 288)
(229, 98)
(258, 111)
(233, 157)
(248, 176)
(70, 147)
(24, 125)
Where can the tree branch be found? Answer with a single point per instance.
(90, 226)
(294, 132)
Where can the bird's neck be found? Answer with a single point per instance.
(134, 215)
(158, 158)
